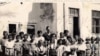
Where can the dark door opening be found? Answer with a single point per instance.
(76, 30)
(12, 28)
(31, 29)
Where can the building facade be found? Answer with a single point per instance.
(80, 18)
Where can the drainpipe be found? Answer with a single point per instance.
(64, 16)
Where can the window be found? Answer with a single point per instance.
(74, 12)
(96, 22)
(31, 29)
(12, 28)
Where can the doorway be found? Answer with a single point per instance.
(76, 30)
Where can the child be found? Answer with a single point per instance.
(60, 48)
(18, 46)
(66, 49)
(9, 46)
(21, 35)
(25, 46)
(53, 45)
(45, 48)
(33, 47)
(96, 46)
(81, 51)
(88, 46)
(93, 46)
(39, 37)
(41, 49)
(2, 42)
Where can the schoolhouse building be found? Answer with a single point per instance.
(79, 18)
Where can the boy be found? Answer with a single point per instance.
(39, 37)
(9, 46)
(88, 46)
(25, 46)
(33, 46)
(2, 42)
(18, 46)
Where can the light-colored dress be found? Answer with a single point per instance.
(9, 47)
(18, 48)
(60, 50)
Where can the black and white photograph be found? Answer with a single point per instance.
(49, 28)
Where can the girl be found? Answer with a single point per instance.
(25, 46)
(9, 46)
(18, 46)
(81, 51)
(88, 46)
(53, 45)
(66, 48)
(41, 49)
(60, 47)
(33, 47)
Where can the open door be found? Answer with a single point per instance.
(76, 30)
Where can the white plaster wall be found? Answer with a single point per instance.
(85, 13)
(60, 22)
(28, 12)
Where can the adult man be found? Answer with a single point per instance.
(47, 34)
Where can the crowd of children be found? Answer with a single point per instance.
(48, 44)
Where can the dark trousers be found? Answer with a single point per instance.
(25, 52)
(66, 53)
(3, 51)
(81, 53)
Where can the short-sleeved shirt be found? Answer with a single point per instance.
(18, 45)
(9, 44)
(67, 48)
(37, 39)
(82, 46)
(60, 50)
(33, 46)
(26, 45)
(2, 41)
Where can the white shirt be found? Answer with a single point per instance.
(9, 44)
(67, 48)
(82, 46)
(37, 39)
(60, 50)
(33, 46)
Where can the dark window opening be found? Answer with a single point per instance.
(12, 28)
(96, 22)
(31, 29)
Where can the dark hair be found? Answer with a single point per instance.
(61, 33)
(80, 40)
(17, 36)
(47, 27)
(21, 33)
(66, 31)
(39, 31)
(25, 35)
(4, 32)
(65, 52)
(10, 36)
